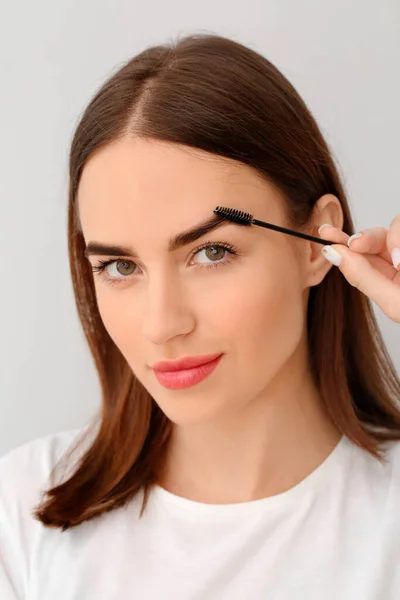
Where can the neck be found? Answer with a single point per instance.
(264, 449)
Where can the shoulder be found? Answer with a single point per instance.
(47, 449)
(41, 453)
(25, 471)
(379, 478)
(391, 456)
(392, 460)
(390, 452)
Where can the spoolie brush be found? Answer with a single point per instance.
(242, 218)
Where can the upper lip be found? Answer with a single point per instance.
(188, 362)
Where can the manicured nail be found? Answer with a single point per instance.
(396, 257)
(322, 226)
(331, 255)
(353, 237)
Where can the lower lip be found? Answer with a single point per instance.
(178, 380)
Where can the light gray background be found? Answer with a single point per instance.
(343, 57)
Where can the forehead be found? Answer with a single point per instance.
(135, 185)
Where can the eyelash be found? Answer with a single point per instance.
(99, 269)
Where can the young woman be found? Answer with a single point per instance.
(273, 470)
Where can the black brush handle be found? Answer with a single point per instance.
(304, 236)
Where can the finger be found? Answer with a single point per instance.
(333, 234)
(361, 275)
(393, 241)
(383, 266)
(371, 241)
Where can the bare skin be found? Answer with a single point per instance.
(256, 426)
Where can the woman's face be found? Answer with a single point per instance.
(156, 304)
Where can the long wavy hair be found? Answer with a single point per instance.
(212, 93)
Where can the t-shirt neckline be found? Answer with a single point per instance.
(333, 461)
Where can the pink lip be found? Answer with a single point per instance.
(177, 380)
(189, 362)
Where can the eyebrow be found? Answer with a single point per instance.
(178, 241)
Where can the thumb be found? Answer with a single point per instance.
(359, 272)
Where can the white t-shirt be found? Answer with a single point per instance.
(334, 536)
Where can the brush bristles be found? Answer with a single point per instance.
(236, 216)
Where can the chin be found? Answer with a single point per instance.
(184, 412)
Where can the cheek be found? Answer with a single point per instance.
(264, 318)
(117, 312)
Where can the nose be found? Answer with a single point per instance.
(167, 312)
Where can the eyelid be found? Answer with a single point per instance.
(225, 244)
(206, 244)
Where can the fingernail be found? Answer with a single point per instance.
(331, 255)
(353, 237)
(396, 257)
(322, 226)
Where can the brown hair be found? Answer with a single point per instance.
(212, 93)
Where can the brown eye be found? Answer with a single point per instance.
(114, 270)
(215, 252)
(125, 267)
